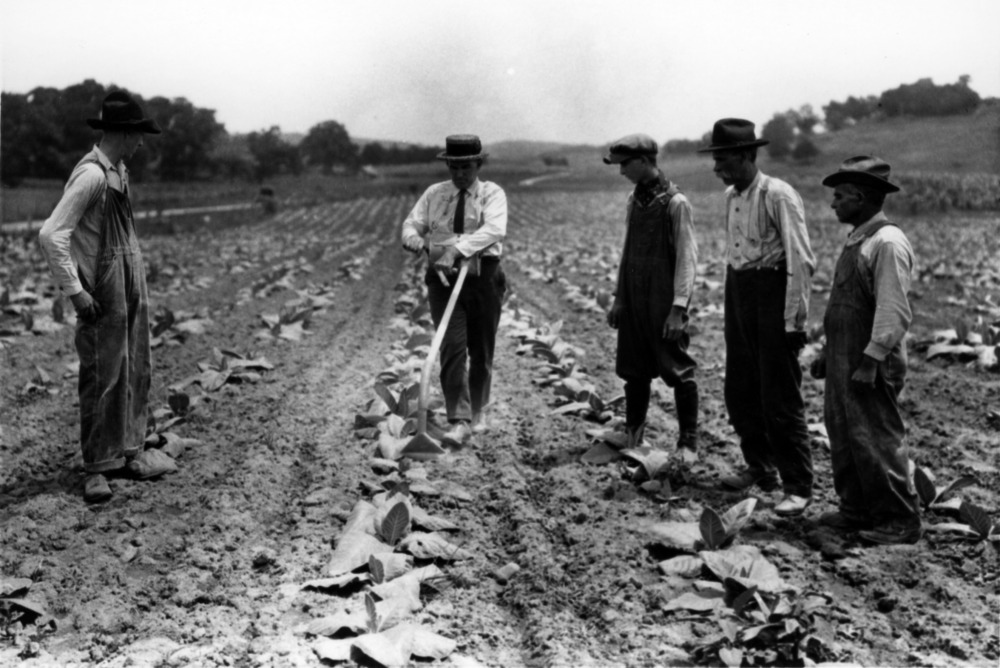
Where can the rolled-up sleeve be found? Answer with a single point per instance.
(83, 190)
(682, 220)
(493, 223)
(799, 259)
(417, 222)
(892, 266)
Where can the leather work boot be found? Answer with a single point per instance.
(687, 447)
(837, 520)
(459, 433)
(892, 535)
(768, 482)
(792, 505)
(96, 489)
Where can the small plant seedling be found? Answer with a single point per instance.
(930, 495)
(719, 531)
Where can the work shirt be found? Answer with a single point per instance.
(71, 237)
(886, 260)
(485, 217)
(682, 229)
(766, 229)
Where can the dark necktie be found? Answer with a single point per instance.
(458, 227)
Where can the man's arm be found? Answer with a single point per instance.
(493, 226)
(686, 265)
(84, 189)
(791, 218)
(618, 304)
(416, 225)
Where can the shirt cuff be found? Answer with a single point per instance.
(682, 302)
(877, 351)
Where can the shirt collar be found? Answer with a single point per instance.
(105, 161)
(862, 229)
(471, 190)
(754, 184)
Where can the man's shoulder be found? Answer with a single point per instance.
(776, 186)
(891, 234)
(490, 188)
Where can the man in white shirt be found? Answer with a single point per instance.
(655, 282)
(770, 266)
(864, 362)
(464, 218)
(92, 251)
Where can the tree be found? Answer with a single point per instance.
(924, 98)
(231, 157)
(840, 114)
(272, 154)
(189, 134)
(328, 144)
(780, 132)
(805, 150)
(372, 154)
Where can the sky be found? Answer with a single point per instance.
(576, 71)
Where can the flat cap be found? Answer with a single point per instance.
(631, 146)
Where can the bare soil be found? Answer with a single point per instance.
(206, 567)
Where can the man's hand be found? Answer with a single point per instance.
(674, 326)
(796, 341)
(446, 263)
(615, 314)
(87, 309)
(866, 371)
(818, 367)
(414, 243)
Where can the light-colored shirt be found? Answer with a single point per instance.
(765, 228)
(886, 262)
(485, 217)
(71, 236)
(682, 224)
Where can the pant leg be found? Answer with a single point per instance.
(484, 300)
(744, 401)
(454, 356)
(781, 389)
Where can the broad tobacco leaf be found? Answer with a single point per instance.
(396, 523)
(433, 546)
(685, 565)
(338, 582)
(713, 531)
(600, 454)
(654, 461)
(353, 551)
(701, 601)
(422, 519)
(333, 624)
(738, 515)
(685, 536)
(337, 650)
(745, 565)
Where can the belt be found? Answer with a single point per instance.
(783, 268)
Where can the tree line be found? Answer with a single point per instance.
(791, 132)
(43, 135)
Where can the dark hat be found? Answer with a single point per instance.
(733, 134)
(120, 112)
(863, 170)
(462, 147)
(631, 146)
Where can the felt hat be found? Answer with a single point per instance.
(863, 170)
(120, 112)
(733, 134)
(462, 147)
(631, 146)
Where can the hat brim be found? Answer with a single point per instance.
(734, 147)
(147, 126)
(460, 158)
(860, 178)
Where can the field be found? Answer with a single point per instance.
(286, 349)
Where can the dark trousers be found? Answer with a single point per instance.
(764, 379)
(470, 339)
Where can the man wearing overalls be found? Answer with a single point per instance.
(92, 251)
(864, 362)
(655, 283)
